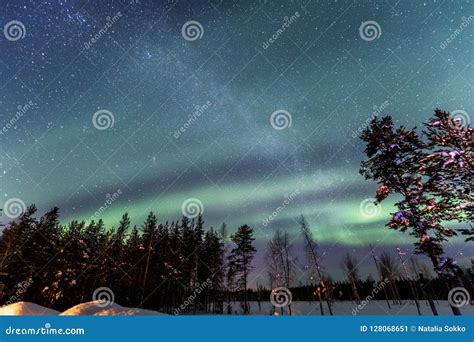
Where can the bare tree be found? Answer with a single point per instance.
(380, 275)
(409, 280)
(279, 260)
(389, 271)
(311, 247)
(350, 266)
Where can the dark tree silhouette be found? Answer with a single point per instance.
(59, 266)
(240, 260)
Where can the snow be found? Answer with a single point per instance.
(374, 307)
(85, 309)
(26, 309)
(121, 311)
(94, 309)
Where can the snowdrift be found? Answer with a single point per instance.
(85, 309)
(93, 309)
(26, 309)
(374, 307)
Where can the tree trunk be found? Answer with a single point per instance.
(434, 260)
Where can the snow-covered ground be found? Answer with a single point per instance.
(265, 308)
(94, 308)
(373, 307)
(84, 309)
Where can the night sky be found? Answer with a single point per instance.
(146, 104)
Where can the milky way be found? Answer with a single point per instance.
(189, 114)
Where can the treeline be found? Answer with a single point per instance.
(155, 266)
(395, 292)
(181, 267)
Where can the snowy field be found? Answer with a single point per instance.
(265, 308)
(374, 307)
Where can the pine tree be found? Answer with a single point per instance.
(213, 251)
(240, 259)
(432, 173)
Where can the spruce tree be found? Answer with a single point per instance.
(115, 255)
(149, 239)
(133, 255)
(41, 252)
(14, 266)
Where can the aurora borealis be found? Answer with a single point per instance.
(219, 90)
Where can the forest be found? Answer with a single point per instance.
(161, 266)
